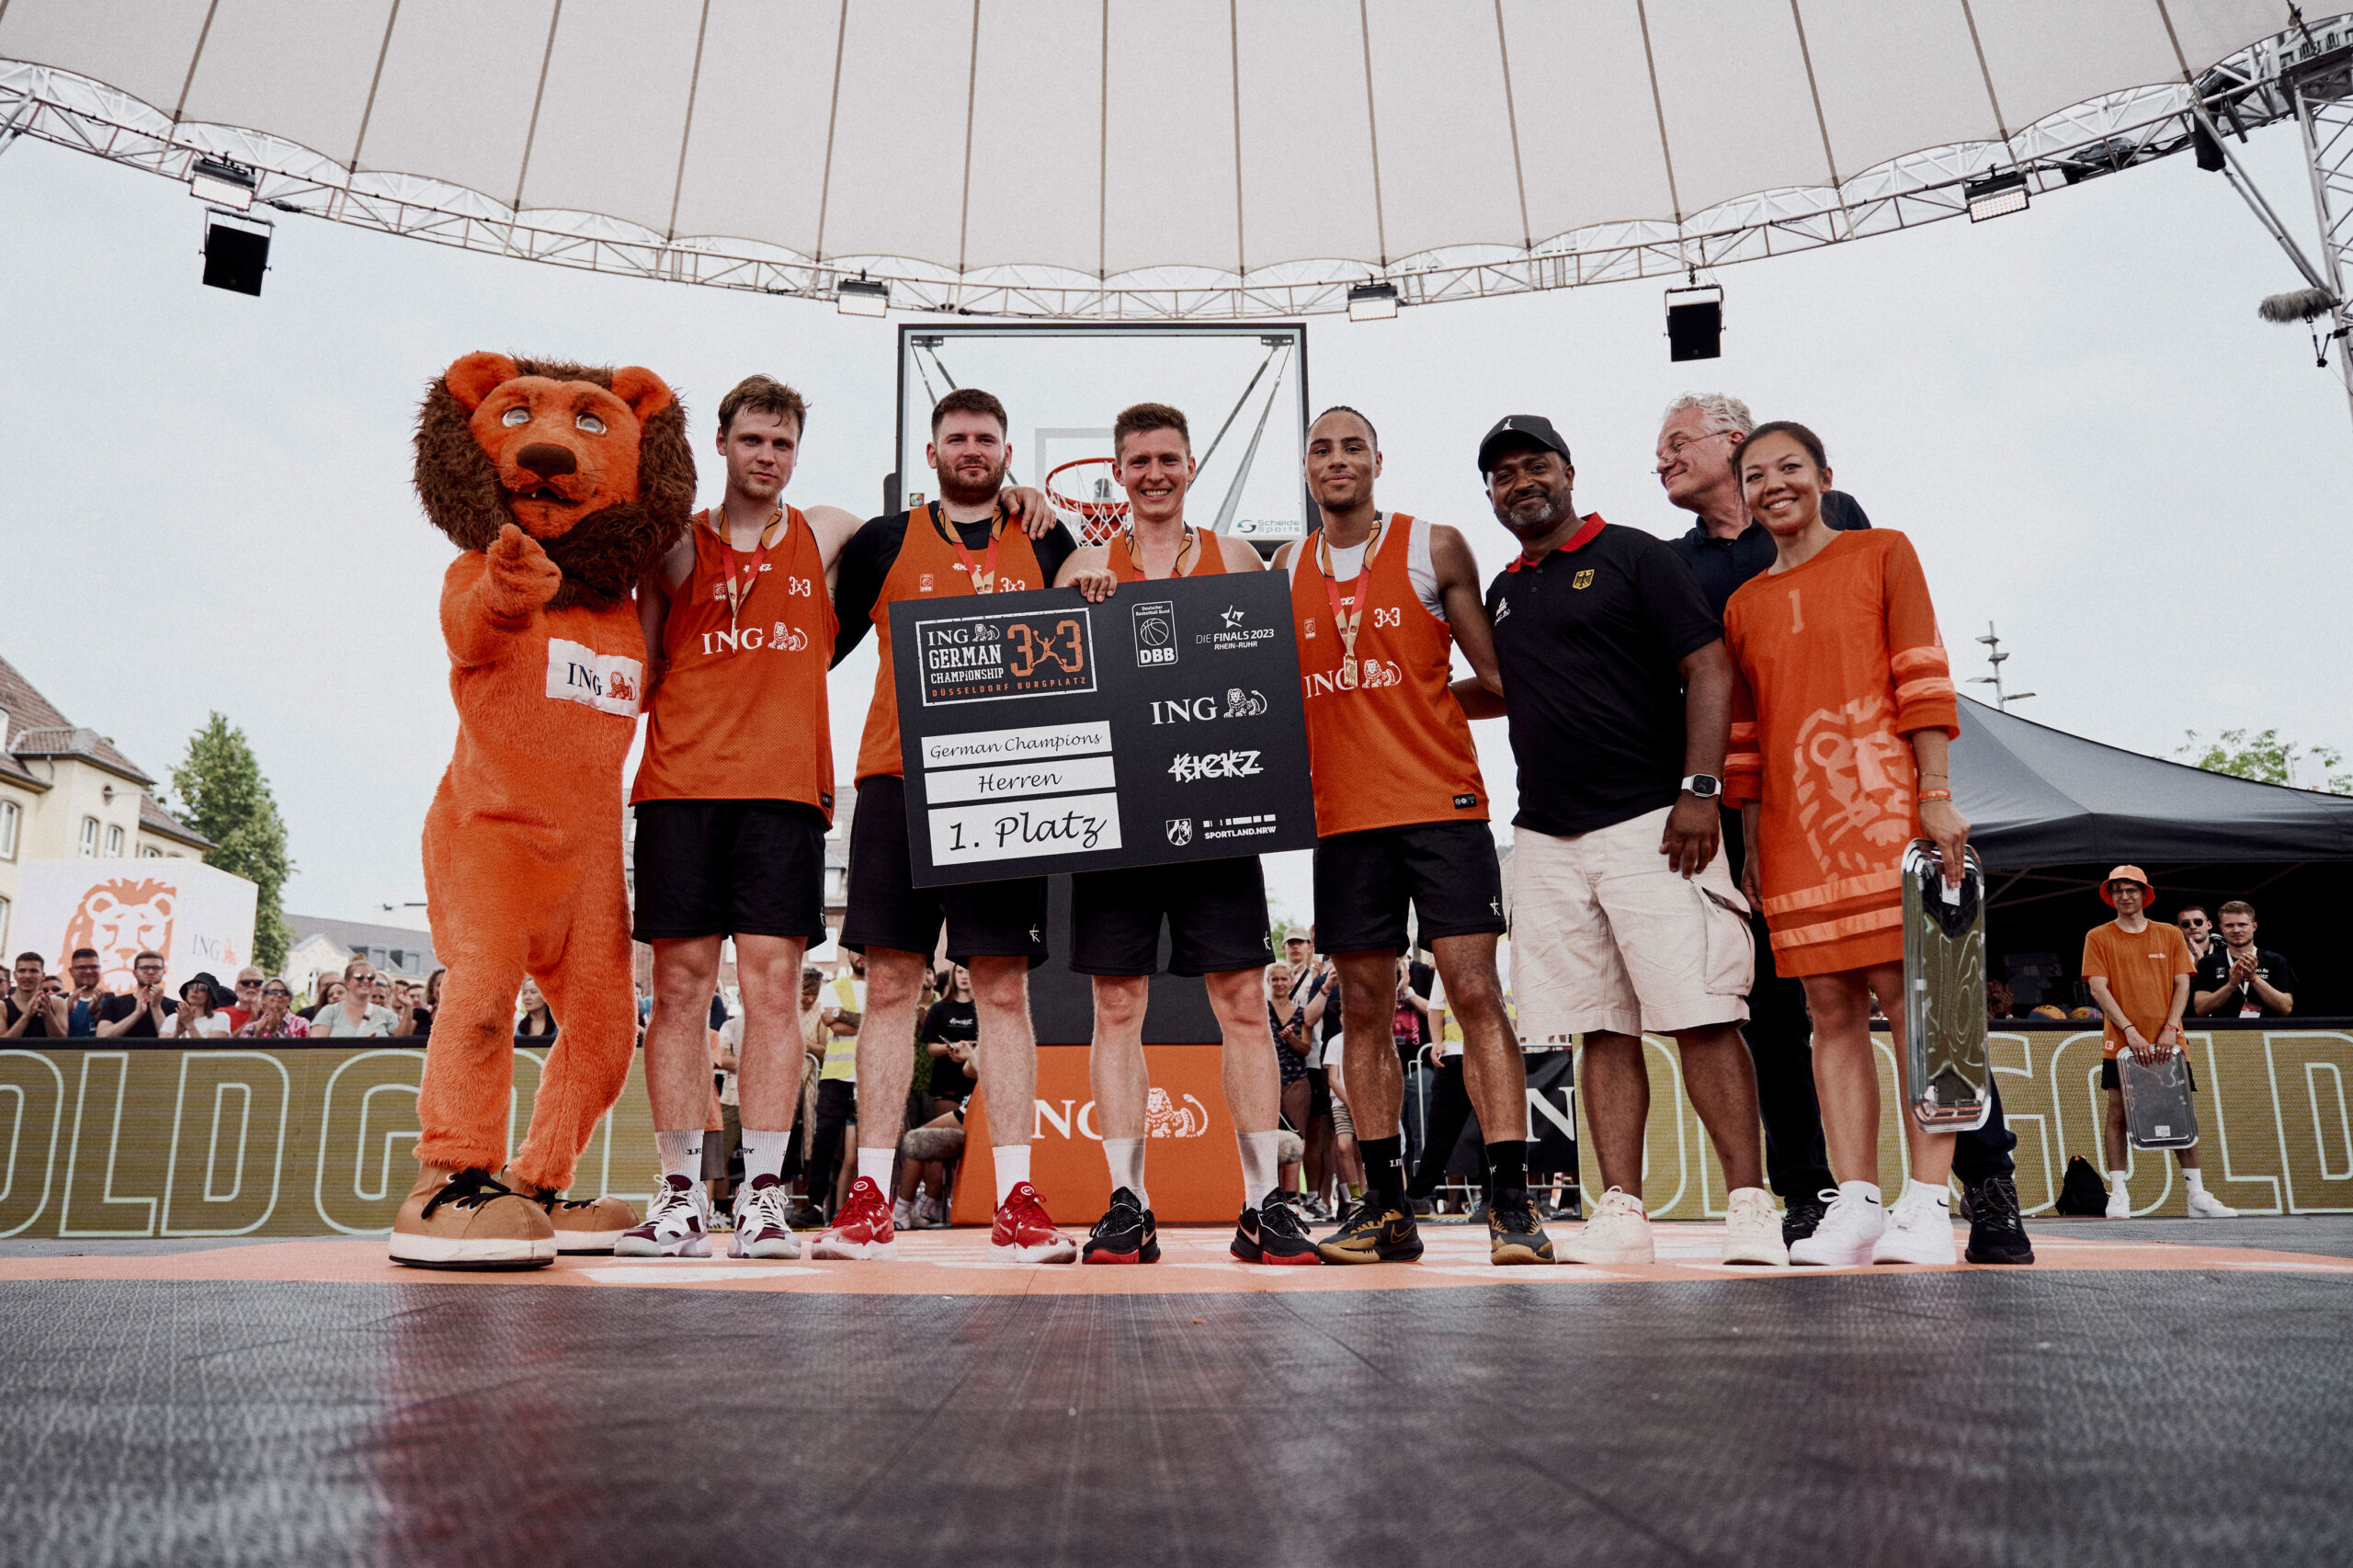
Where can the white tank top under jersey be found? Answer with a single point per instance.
(1346, 563)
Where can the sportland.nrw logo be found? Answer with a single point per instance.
(121, 918)
(1164, 1116)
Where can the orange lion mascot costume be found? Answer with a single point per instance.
(562, 484)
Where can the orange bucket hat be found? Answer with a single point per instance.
(2125, 874)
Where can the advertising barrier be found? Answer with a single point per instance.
(285, 1139)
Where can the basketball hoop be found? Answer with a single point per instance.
(1100, 517)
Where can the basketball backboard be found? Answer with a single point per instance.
(1243, 388)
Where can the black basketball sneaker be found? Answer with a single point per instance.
(1124, 1235)
(1997, 1234)
(1271, 1234)
(1375, 1231)
(1513, 1235)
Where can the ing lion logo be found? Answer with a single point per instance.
(1853, 783)
(121, 918)
(1380, 673)
(1163, 1117)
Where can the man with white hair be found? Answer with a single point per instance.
(1725, 548)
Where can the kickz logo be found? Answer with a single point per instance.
(1189, 768)
(610, 683)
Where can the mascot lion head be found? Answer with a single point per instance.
(593, 464)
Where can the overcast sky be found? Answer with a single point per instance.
(206, 501)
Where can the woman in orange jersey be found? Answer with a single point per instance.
(1841, 718)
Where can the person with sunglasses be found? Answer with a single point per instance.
(273, 1016)
(2197, 929)
(241, 1011)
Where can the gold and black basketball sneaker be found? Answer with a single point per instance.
(1374, 1231)
(1513, 1235)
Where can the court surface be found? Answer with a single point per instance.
(2150, 1393)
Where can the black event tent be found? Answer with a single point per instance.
(2050, 813)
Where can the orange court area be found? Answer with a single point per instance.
(957, 1263)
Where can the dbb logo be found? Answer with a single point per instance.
(1155, 628)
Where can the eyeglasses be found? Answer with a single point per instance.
(2188, 921)
(1675, 449)
(276, 991)
(248, 984)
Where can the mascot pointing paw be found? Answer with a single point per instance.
(560, 485)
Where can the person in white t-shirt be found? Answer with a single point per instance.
(202, 1013)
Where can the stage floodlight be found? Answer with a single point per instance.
(1695, 323)
(859, 297)
(223, 183)
(1372, 301)
(1997, 197)
(236, 251)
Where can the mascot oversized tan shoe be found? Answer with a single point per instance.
(465, 1219)
(582, 1224)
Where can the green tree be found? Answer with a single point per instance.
(2268, 759)
(223, 796)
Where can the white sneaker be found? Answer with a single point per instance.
(938, 1214)
(1753, 1229)
(901, 1214)
(762, 1229)
(1919, 1230)
(677, 1225)
(2204, 1205)
(1850, 1227)
(1618, 1233)
(2120, 1207)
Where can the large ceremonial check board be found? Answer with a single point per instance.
(1042, 734)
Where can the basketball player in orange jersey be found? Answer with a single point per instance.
(1379, 601)
(1215, 910)
(734, 796)
(963, 543)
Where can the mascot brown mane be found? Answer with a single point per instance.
(562, 484)
(601, 555)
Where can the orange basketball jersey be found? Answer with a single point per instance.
(740, 713)
(930, 566)
(1209, 557)
(1393, 749)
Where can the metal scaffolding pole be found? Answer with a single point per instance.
(2322, 91)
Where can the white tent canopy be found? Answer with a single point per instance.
(1119, 157)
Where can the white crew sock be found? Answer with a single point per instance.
(1919, 1191)
(1125, 1156)
(764, 1154)
(2195, 1178)
(681, 1153)
(1260, 1165)
(874, 1165)
(2115, 1182)
(1860, 1192)
(1012, 1167)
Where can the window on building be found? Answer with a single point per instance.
(114, 843)
(89, 838)
(9, 817)
(149, 852)
(3, 923)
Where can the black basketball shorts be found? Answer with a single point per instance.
(729, 868)
(1215, 911)
(1446, 871)
(984, 920)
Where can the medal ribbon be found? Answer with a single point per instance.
(984, 574)
(1135, 554)
(1347, 625)
(740, 583)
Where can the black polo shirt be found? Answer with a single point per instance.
(2214, 974)
(1588, 640)
(1723, 565)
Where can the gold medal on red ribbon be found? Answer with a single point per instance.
(1345, 623)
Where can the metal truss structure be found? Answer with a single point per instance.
(2322, 92)
(2271, 82)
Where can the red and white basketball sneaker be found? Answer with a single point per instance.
(862, 1230)
(1023, 1233)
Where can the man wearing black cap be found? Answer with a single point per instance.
(1625, 916)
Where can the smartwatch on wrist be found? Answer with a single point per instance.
(1704, 785)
